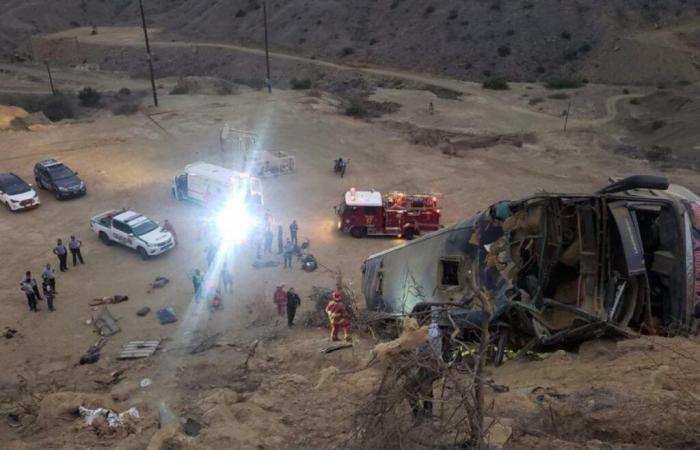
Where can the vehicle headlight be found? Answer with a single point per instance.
(14, 201)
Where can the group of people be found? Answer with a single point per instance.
(286, 248)
(29, 285)
(287, 302)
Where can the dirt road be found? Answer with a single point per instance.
(128, 161)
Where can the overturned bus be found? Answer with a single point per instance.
(554, 268)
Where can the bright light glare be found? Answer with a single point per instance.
(234, 222)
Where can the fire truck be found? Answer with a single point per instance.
(369, 213)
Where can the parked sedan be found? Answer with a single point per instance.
(15, 193)
(58, 178)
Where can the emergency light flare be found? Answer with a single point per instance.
(234, 222)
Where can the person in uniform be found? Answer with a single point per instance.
(49, 277)
(280, 299)
(74, 246)
(28, 290)
(339, 317)
(293, 302)
(62, 253)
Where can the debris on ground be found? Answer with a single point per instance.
(114, 378)
(145, 382)
(143, 311)
(109, 300)
(105, 324)
(335, 348)
(203, 343)
(92, 355)
(158, 283)
(114, 420)
(265, 264)
(308, 262)
(9, 333)
(167, 315)
(139, 349)
(191, 427)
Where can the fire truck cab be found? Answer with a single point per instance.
(368, 213)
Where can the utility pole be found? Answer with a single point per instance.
(268, 81)
(148, 55)
(48, 69)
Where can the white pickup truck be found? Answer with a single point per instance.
(132, 230)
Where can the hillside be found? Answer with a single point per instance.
(518, 40)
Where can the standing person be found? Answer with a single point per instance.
(62, 253)
(293, 229)
(293, 302)
(197, 281)
(74, 246)
(29, 279)
(167, 226)
(280, 299)
(49, 277)
(338, 317)
(49, 294)
(280, 240)
(267, 218)
(268, 240)
(26, 287)
(288, 252)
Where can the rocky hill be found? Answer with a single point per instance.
(469, 39)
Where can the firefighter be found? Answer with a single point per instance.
(280, 299)
(268, 240)
(338, 317)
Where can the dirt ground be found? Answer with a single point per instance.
(129, 161)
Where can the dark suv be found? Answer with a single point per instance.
(58, 178)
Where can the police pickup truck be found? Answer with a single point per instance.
(132, 230)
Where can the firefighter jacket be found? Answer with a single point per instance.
(280, 297)
(337, 313)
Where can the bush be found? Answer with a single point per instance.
(240, 13)
(566, 35)
(347, 51)
(634, 101)
(429, 10)
(585, 48)
(497, 84)
(125, 91)
(183, 86)
(356, 108)
(503, 50)
(125, 109)
(563, 83)
(89, 97)
(57, 107)
(453, 14)
(299, 85)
